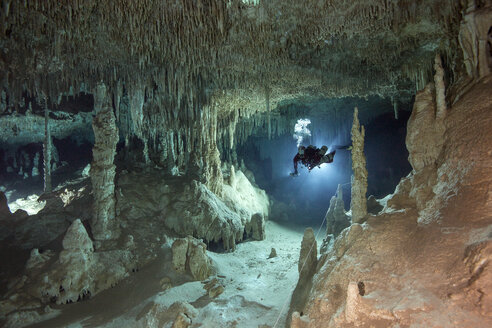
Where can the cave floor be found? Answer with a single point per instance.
(257, 289)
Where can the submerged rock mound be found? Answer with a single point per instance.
(189, 208)
(77, 273)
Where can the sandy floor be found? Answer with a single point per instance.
(257, 289)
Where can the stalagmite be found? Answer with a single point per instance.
(440, 88)
(358, 203)
(474, 36)
(47, 147)
(102, 170)
(425, 128)
(336, 219)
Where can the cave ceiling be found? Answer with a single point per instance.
(184, 54)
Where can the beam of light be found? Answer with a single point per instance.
(301, 130)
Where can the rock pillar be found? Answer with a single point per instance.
(102, 167)
(475, 38)
(47, 147)
(212, 173)
(336, 219)
(359, 179)
(425, 128)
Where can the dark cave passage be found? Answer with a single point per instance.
(305, 199)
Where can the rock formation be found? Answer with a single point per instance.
(184, 83)
(369, 278)
(425, 140)
(336, 219)
(4, 207)
(76, 273)
(47, 147)
(359, 181)
(256, 227)
(308, 260)
(179, 314)
(373, 205)
(190, 256)
(474, 37)
(102, 169)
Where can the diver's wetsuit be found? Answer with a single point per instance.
(321, 159)
(312, 158)
(308, 158)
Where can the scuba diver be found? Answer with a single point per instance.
(312, 157)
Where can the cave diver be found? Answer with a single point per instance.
(311, 157)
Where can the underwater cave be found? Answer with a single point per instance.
(245, 163)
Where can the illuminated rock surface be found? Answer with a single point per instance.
(171, 139)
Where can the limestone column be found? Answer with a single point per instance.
(102, 167)
(212, 173)
(440, 88)
(47, 147)
(359, 180)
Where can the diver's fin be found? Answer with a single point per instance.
(347, 147)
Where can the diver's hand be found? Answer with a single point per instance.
(294, 174)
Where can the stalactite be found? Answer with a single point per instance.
(395, 106)
(174, 59)
(358, 203)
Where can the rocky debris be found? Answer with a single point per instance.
(165, 283)
(359, 180)
(214, 287)
(273, 253)
(180, 314)
(336, 218)
(190, 256)
(102, 169)
(182, 321)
